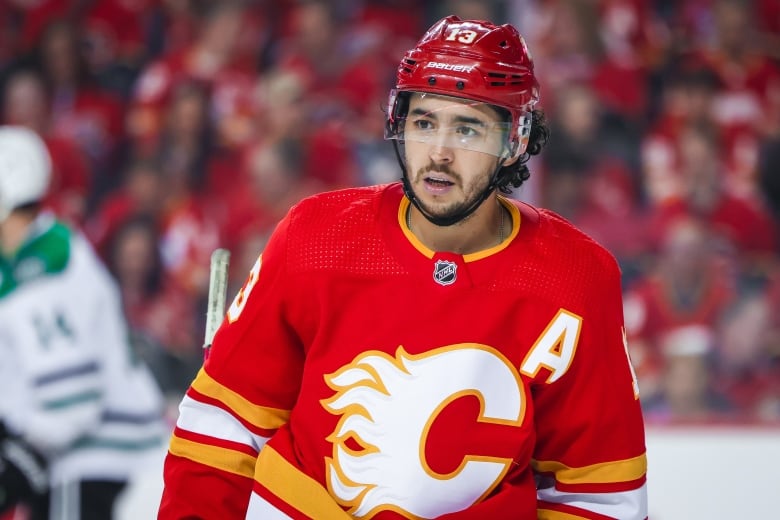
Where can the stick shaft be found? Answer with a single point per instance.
(218, 277)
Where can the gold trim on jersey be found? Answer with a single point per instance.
(225, 459)
(603, 473)
(263, 417)
(471, 257)
(294, 487)
(549, 514)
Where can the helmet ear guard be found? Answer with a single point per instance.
(522, 137)
(397, 107)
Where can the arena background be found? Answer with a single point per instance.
(179, 126)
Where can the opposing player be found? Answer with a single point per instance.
(428, 348)
(78, 412)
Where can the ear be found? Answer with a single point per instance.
(512, 160)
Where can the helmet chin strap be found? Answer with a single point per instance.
(452, 219)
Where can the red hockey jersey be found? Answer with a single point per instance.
(359, 374)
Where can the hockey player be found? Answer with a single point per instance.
(79, 412)
(428, 348)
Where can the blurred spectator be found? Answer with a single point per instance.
(275, 185)
(35, 15)
(376, 163)
(768, 24)
(749, 79)
(185, 141)
(739, 224)
(25, 102)
(467, 9)
(634, 32)
(768, 406)
(769, 175)
(633, 48)
(586, 145)
(687, 286)
(572, 158)
(390, 26)
(687, 393)
(602, 44)
(287, 115)
(748, 368)
(747, 103)
(188, 238)
(317, 48)
(313, 46)
(611, 214)
(113, 38)
(283, 106)
(214, 59)
(10, 29)
(81, 110)
(189, 231)
(141, 193)
(160, 314)
(331, 159)
(686, 101)
(565, 34)
(175, 26)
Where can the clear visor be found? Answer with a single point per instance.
(449, 122)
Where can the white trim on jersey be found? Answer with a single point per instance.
(626, 505)
(210, 420)
(261, 509)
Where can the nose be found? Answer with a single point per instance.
(439, 153)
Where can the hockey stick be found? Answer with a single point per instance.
(215, 310)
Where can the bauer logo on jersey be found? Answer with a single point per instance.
(445, 272)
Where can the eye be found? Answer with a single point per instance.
(422, 124)
(467, 131)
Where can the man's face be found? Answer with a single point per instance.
(452, 149)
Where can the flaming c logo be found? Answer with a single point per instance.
(387, 406)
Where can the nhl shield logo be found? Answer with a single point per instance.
(445, 272)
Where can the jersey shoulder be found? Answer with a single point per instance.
(342, 230)
(558, 230)
(552, 232)
(56, 261)
(555, 260)
(46, 253)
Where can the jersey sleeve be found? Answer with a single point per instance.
(238, 400)
(589, 458)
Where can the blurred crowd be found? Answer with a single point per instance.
(179, 126)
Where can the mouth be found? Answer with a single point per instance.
(436, 186)
(437, 182)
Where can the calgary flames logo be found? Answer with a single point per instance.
(387, 406)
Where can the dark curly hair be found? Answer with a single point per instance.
(516, 174)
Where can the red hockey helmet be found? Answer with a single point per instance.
(475, 60)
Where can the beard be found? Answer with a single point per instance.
(450, 209)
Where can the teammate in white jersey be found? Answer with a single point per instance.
(79, 413)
